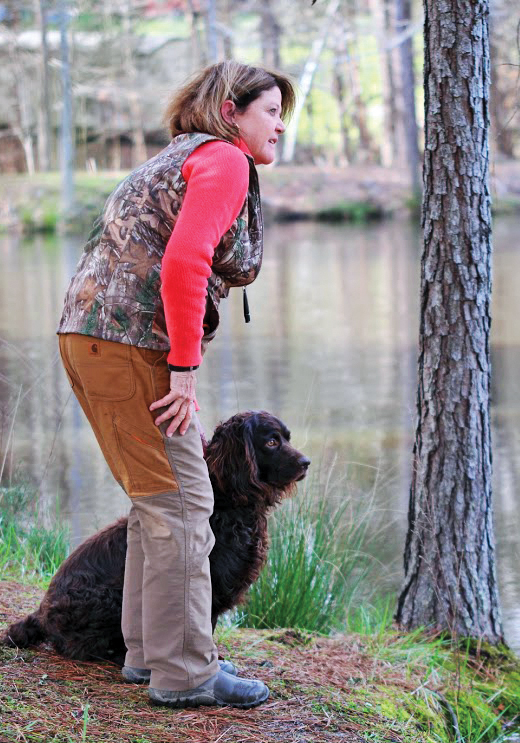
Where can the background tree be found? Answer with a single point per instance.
(505, 99)
(44, 112)
(67, 125)
(270, 32)
(355, 61)
(306, 80)
(450, 577)
(407, 119)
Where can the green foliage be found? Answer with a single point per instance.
(40, 218)
(453, 691)
(476, 720)
(171, 25)
(28, 549)
(350, 211)
(317, 565)
(35, 201)
(414, 204)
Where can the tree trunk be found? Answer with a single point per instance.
(211, 31)
(339, 89)
(379, 11)
(270, 32)
(305, 85)
(226, 29)
(366, 151)
(450, 577)
(67, 127)
(346, 55)
(133, 96)
(407, 90)
(501, 114)
(199, 57)
(23, 125)
(44, 113)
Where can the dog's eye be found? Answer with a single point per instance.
(272, 442)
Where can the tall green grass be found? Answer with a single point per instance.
(319, 565)
(28, 548)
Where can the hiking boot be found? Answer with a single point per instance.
(221, 689)
(142, 675)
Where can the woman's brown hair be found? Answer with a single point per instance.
(196, 106)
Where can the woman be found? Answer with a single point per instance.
(174, 236)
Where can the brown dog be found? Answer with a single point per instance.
(252, 466)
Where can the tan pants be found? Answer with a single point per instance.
(167, 590)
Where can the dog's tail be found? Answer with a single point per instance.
(26, 632)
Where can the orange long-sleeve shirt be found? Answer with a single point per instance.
(217, 176)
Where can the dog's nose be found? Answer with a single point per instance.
(304, 462)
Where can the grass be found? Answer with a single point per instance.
(29, 550)
(34, 201)
(343, 687)
(327, 680)
(317, 567)
(350, 211)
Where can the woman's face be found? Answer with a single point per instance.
(260, 125)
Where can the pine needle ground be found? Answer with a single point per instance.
(322, 689)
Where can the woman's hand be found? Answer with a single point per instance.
(180, 400)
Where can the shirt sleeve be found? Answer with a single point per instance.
(217, 176)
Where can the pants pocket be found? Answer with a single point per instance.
(105, 369)
(144, 459)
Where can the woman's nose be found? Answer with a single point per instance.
(280, 127)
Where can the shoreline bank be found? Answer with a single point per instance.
(359, 194)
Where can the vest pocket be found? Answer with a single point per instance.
(146, 469)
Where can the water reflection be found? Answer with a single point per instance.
(331, 349)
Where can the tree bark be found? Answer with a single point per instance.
(450, 577)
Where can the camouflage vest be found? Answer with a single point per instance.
(115, 292)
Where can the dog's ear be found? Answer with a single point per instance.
(250, 425)
(244, 474)
(231, 460)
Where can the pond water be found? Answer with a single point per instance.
(331, 349)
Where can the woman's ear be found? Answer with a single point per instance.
(227, 111)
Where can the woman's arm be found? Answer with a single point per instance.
(217, 175)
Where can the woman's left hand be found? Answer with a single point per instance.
(180, 399)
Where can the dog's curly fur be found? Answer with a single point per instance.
(252, 466)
